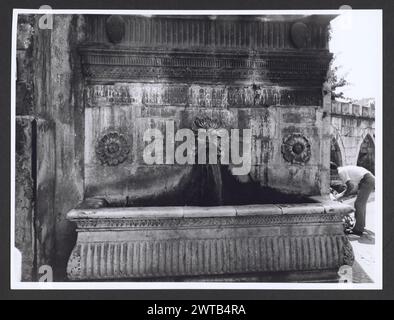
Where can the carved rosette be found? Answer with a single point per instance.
(74, 265)
(112, 149)
(296, 149)
(348, 253)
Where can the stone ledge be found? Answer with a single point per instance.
(201, 212)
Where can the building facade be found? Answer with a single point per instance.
(353, 134)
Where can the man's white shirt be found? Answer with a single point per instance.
(352, 173)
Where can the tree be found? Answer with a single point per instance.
(336, 81)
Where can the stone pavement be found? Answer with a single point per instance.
(364, 247)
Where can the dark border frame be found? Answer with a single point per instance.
(388, 132)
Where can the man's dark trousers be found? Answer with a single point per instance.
(365, 187)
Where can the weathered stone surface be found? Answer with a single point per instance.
(268, 132)
(49, 86)
(150, 247)
(203, 96)
(24, 197)
(272, 88)
(45, 219)
(288, 69)
(34, 194)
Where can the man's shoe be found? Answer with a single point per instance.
(356, 232)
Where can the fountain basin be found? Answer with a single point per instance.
(175, 243)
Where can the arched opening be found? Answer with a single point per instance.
(336, 155)
(366, 156)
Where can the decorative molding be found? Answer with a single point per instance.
(218, 96)
(130, 65)
(112, 149)
(194, 257)
(207, 123)
(176, 223)
(296, 149)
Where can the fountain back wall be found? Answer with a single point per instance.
(245, 72)
(263, 73)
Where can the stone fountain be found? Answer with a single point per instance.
(200, 222)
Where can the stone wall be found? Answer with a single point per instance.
(132, 178)
(49, 87)
(35, 182)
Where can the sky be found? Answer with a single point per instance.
(356, 44)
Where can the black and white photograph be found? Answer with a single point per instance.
(225, 149)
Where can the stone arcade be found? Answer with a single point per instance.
(195, 222)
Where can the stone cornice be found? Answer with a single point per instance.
(291, 68)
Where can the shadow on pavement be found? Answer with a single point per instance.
(367, 238)
(359, 275)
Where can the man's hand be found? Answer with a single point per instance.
(349, 188)
(338, 195)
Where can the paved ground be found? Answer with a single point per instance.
(364, 247)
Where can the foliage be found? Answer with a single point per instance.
(336, 81)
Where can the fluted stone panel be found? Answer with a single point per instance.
(135, 259)
(232, 32)
(131, 248)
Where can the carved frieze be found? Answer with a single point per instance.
(179, 223)
(131, 65)
(132, 245)
(348, 253)
(218, 96)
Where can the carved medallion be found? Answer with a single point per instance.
(299, 34)
(112, 149)
(115, 27)
(296, 149)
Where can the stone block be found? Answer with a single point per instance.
(305, 208)
(206, 212)
(129, 246)
(263, 210)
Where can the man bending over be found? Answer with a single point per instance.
(353, 177)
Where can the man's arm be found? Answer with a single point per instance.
(348, 190)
